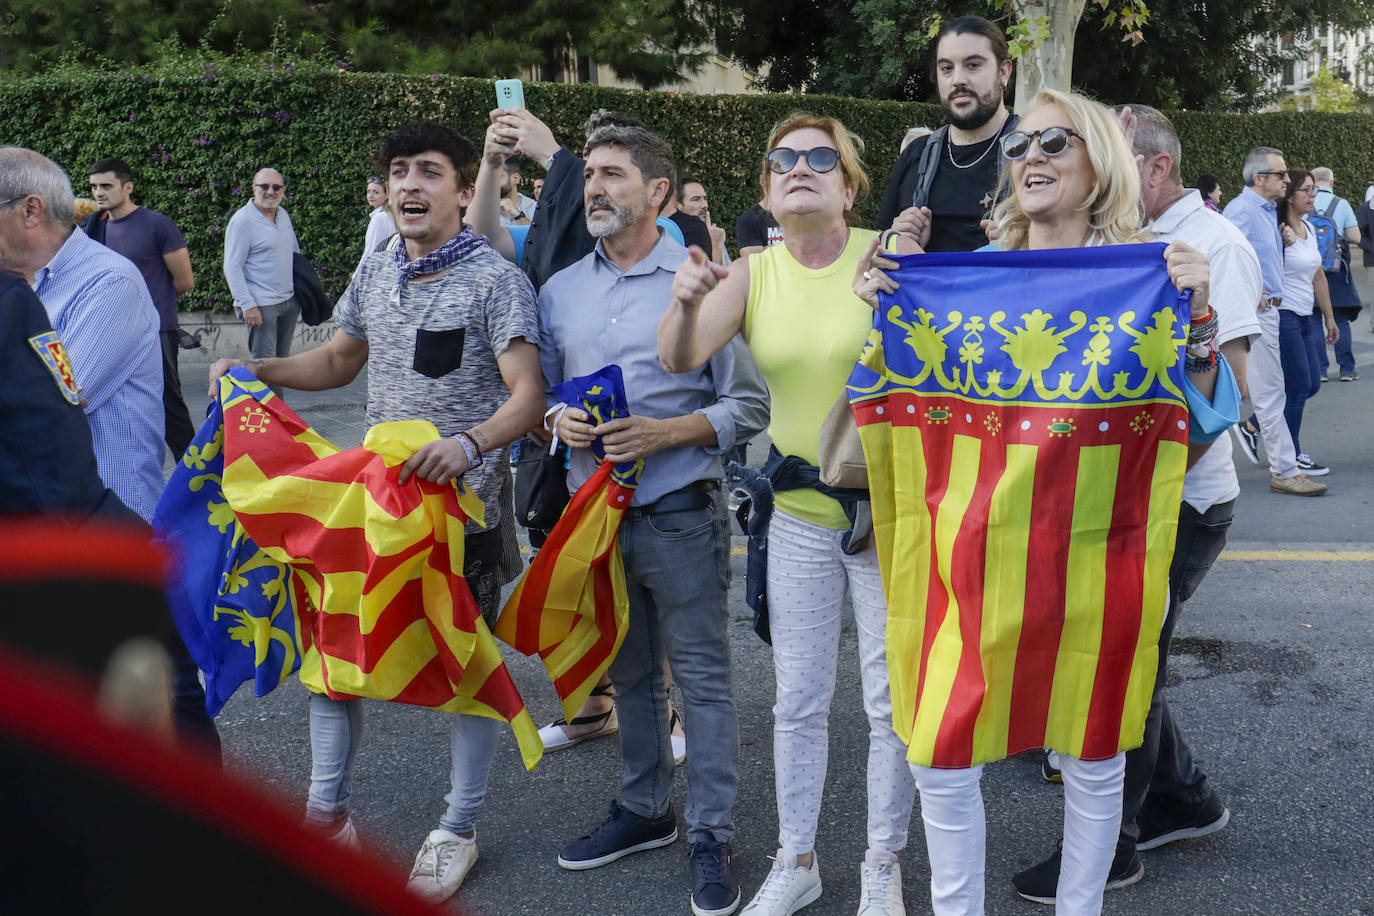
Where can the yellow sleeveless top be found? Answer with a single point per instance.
(805, 329)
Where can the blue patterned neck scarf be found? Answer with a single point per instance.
(441, 258)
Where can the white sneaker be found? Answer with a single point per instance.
(347, 836)
(441, 866)
(788, 888)
(881, 879)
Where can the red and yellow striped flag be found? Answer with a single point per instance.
(572, 606)
(1026, 466)
(390, 615)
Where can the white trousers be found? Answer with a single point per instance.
(807, 577)
(1264, 375)
(956, 835)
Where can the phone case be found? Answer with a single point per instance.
(510, 94)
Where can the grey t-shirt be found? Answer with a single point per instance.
(432, 349)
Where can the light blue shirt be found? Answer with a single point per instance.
(1342, 216)
(98, 303)
(257, 257)
(592, 314)
(1258, 221)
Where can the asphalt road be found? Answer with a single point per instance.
(1271, 681)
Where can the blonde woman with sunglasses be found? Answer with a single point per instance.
(1071, 182)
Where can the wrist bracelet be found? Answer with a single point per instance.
(1198, 363)
(1203, 329)
(471, 440)
(467, 448)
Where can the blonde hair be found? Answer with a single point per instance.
(848, 144)
(1113, 205)
(83, 207)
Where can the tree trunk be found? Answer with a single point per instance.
(1049, 65)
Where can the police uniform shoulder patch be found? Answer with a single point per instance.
(49, 348)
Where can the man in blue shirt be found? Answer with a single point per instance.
(1345, 301)
(604, 309)
(100, 308)
(1255, 213)
(155, 245)
(99, 305)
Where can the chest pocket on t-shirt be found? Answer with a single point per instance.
(437, 353)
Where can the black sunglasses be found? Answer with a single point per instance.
(376, 179)
(269, 187)
(1281, 174)
(783, 160)
(1053, 141)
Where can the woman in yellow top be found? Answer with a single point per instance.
(805, 327)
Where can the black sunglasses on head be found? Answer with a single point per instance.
(783, 160)
(269, 187)
(1053, 141)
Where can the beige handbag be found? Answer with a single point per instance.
(842, 461)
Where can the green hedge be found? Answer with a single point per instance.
(195, 132)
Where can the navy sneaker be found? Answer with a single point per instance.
(1040, 883)
(622, 832)
(1248, 438)
(1310, 467)
(715, 889)
(1156, 829)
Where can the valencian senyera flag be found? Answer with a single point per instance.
(1025, 425)
(233, 604)
(375, 567)
(572, 607)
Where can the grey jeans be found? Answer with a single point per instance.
(677, 570)
(273, 337)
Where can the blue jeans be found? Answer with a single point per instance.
(677, 571)
(336, 732)
(1301, 376)
(1161, 772)
(1345, 354)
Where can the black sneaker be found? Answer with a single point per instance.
(1312, 468)
(1049, 772)
(715, 889)
(622, 832)
(1039, 883)
(1157, 830)
(1248, 439)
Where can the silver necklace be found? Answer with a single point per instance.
(949, 149)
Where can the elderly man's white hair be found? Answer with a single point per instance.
(1322, 175)
(24, 172)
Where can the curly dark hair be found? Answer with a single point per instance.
(418, 136)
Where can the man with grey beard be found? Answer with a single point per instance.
(605, 308)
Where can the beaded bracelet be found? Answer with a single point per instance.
(1197, 364)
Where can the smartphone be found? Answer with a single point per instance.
(510, 94)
